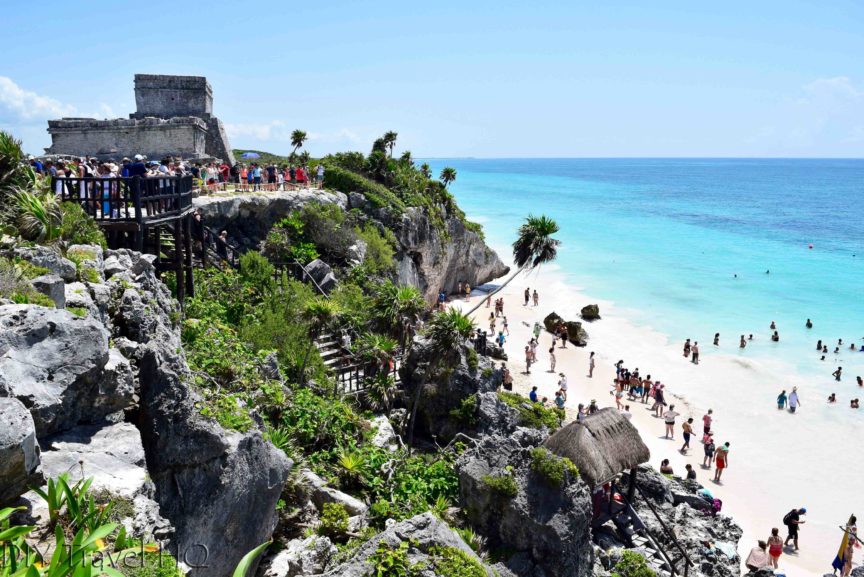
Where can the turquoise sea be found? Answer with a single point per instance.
(665, 238)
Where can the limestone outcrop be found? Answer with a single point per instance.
(19, 452)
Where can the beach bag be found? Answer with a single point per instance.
(788, 518)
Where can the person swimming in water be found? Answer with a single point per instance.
(837, 374)
(832, 398)
(773, 325)
(716, 339)
(808, 324)
(743, 343)
(819, 345)
(775, 337)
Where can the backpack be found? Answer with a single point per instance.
(788, 518)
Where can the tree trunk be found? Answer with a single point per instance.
(493, 293)
(413, 420)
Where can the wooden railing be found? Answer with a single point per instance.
(129, 200)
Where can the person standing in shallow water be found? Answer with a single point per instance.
(794, 402)
(837, 374)
(781, 400)
(743, 342)
(695, 351)
(687, 348)
(716, 339)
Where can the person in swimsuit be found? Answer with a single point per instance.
(695, 350)
(536, 298)
(666, 468)
(707, 418)
(781, 400)
(527, 296)
(552, 359)
(716, 339)
(775, 546)
(743, 342)
(721, 461)
(687, 348)
(669, 420)
(837, 374)
(688, 430)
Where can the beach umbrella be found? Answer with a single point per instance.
(250, 155)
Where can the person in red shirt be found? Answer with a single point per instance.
(301, 176)
(224, 172)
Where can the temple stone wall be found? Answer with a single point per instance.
(154, 137)
(168, 96)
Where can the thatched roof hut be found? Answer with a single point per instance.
(602, 445)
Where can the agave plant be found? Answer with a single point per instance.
(351, 468)
(15, 172)
(39, 216)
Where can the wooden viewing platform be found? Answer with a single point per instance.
(152, 215)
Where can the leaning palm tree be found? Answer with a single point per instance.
(398, 307)
(298, 138)
(446, 332)
(426, 170)
(533, 247)
(390, 140)
(318, 313)
(448, 175)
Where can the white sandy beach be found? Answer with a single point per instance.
(778, 461)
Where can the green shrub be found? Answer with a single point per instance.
(256, 271)
(77, 311)
(379, 249)
(632, 565)
(31, 297)
(453, 562)
(333, 522)
(472, 360)
(228, 412)
(466, 412)
(533, 414)
(77, 227)
(503, 484)
(337, 178)
(552, 467)
(393, 562)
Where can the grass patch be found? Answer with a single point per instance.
(531, 414)
(505, 485)
(551, 467)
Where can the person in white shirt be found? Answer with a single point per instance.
(625, 412)
(794, 402)
(669, 419)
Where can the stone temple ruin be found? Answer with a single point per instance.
(174, 118)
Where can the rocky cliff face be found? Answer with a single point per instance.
(102, 389)
(428, 257)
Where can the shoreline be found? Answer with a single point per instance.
(756, 491)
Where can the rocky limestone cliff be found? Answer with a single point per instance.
(428, 257)
(102, 389)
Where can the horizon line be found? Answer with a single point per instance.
(639, 158)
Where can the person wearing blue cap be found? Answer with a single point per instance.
(792, 520)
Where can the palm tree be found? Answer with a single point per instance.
(406, 158)
(379, 146)
(390, 140)
(446, 332)
(533, 247)
(448, 175)
(399, 307)
(304, 157)
(426, 170)
(298, 137)
(318, 313)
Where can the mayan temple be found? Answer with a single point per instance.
(174, 117)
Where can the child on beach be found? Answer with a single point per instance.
(709, 453)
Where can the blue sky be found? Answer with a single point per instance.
(487, 79)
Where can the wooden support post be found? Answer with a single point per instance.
(157, 248)
(187, 245)
(178, 261)
(631, 489)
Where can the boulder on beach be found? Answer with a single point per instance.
(575, 333)
(590, 312)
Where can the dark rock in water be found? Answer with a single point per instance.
(219, 489)
(590, 312)
(55, 363)
(423, 533)
(323, 275)
(551, 322)
(546, 527)
(19, 452)
(576, 334)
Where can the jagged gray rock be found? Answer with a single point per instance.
(385, 436)
(48, 258)
(52, 286)
(322, 493)
(19, 452)
(112, 455)
(219, 489)
(54, 363)
(323, 275)
(308, 556)
(422, 533)
(547, 528)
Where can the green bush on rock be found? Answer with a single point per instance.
(333, 522)
(533, 414)
(632, 565)
(551, 467)
(504, 484)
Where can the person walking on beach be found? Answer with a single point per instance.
(527, 296)
(836, 374)
(506, 326)
(562, 385)
(537, 330)
(669, 419)
(552, 358)
(721, 461)
(687, 348)
(794, 402)
(688, 430)
(659, 401)
(591, 365)
(707, 418)
(775, 546)
(792, 520)
(695, 350)
(709, 453)
(467, 291)
(528, 360)
(536, 298)
(781, 400)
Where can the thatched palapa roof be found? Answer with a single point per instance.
(602, 445)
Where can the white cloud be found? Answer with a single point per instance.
(27, 105)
